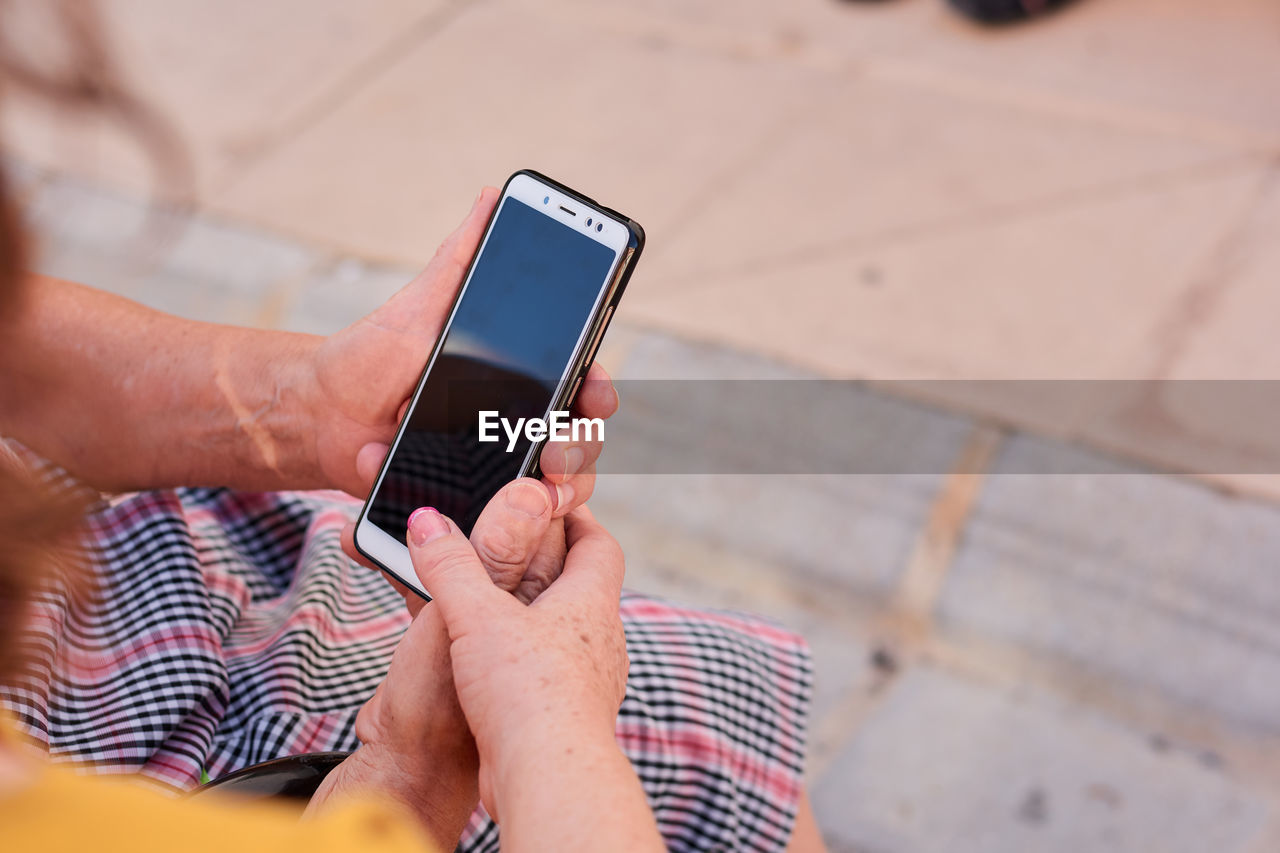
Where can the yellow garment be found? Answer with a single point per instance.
(65, 812)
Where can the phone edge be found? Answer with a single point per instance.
(635, 244)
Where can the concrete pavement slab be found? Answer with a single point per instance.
(1159, 584)
(665, 561)
(821, 33)
(338, 294)
(193, 266)
(640, 126)
(875, 163)
(855, 531)
(947, 764)
(233, 77)
(1078, 290)
(1182, 67)
(1229, 331)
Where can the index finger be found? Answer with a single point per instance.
(597, 398)
(451, 571)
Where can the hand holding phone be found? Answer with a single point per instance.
(366, 373)
(518, 343)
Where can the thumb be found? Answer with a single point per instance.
(450, 571)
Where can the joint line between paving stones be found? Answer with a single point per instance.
(992, 215)
(327, 101)
(935, 547)
(1035, 100)
(909, 624)
(769, 139)
(1209, 286)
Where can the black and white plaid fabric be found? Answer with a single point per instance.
(225, 629)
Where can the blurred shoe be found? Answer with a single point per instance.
(1004, 11)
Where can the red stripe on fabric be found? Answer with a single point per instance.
(706, 748)
(179, 775)
(322, 625)
(142, 507)
(90, 663)
(648, 609)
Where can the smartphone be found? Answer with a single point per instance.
(522, 332)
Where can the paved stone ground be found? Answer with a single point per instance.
(1084, 660)
(869, 190)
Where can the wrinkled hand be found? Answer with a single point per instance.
(415, 743)
(534, 677)
(365, 374)
(514, 565)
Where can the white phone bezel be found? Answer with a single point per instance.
(373, 541)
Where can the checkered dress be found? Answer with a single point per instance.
(226, 628)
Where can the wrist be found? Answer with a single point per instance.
(440, 795)
(267, 381)
(570, 796)
(302, 412)
(532, 754)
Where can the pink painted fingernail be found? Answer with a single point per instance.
(425, 524)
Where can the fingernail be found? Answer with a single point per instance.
(426, 524)
(564, 495)
(527, 498)
(573, 459)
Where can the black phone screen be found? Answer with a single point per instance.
(513, 334)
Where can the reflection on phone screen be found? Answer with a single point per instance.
(531, 293)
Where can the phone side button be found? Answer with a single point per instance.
(595, 344)
(573, 391)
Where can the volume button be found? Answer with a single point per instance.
(595, 344)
